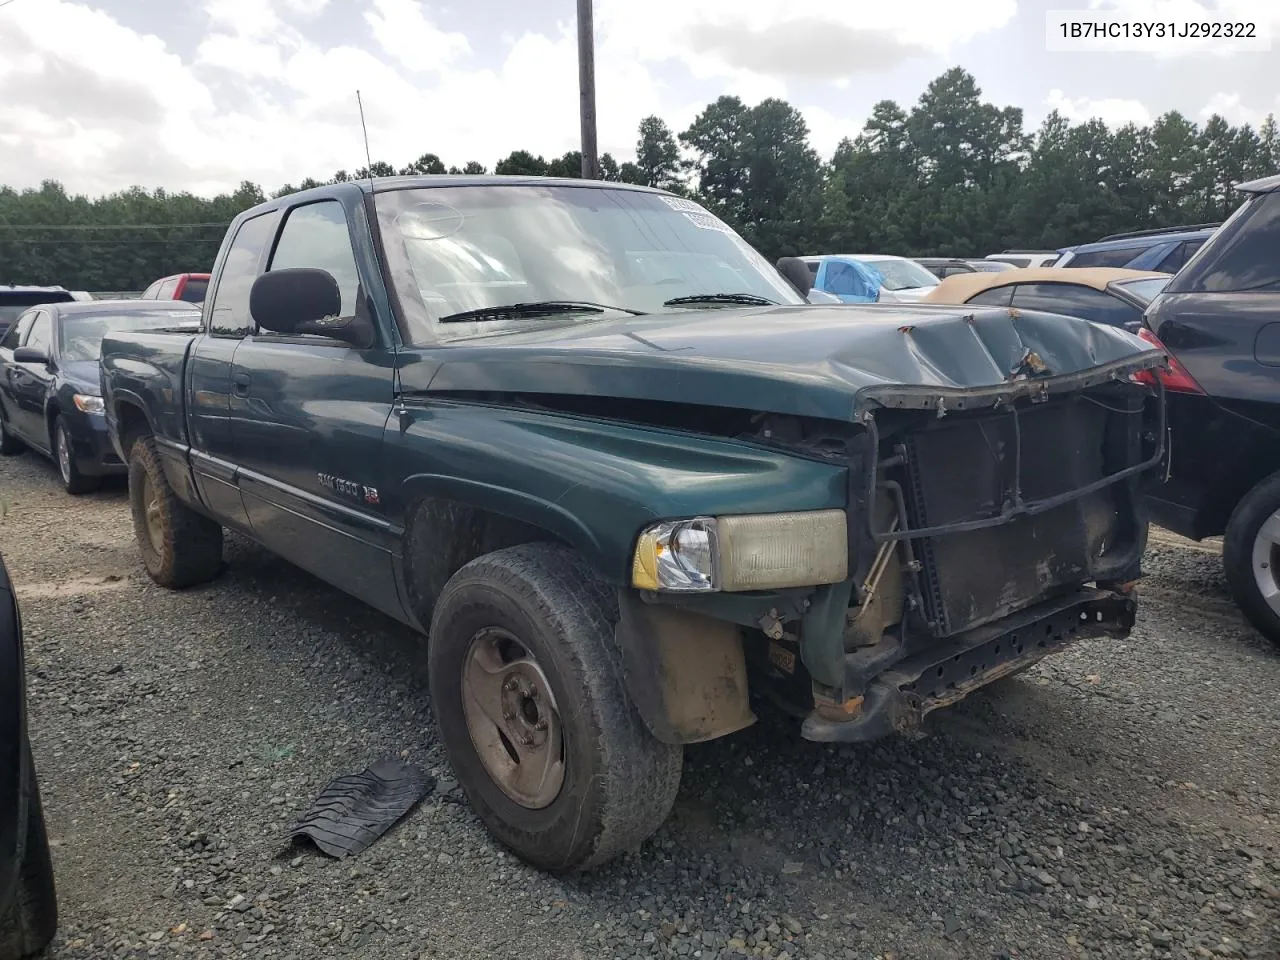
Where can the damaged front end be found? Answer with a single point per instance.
(992, 527)
(987, 527)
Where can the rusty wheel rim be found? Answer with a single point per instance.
(151, 515)
(513, 719)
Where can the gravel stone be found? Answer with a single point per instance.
(1053, 816)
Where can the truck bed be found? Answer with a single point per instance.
(146, 368)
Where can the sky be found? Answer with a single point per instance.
(200, 95)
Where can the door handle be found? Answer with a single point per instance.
(240, 384)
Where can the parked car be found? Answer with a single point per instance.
(609, 456)
(28, 898)
(50, 398)
(943, 267)
(15, 300)
(847, 279)
(1165, 250)
(864, 278)
(1219, 320)
(190, 287)
(1103, 295)
(1025, 258)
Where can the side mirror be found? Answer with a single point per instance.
(30, 355)
(305, 301)
(796, 272)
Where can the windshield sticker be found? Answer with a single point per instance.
(431, 220)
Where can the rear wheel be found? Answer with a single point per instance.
(33, 919)
(179, 547)
(73, 481)
(1251, 556)
(535, 717)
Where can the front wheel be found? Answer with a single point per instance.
(552, 754)
(1251, 557)
(73, 481)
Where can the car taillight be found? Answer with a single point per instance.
(1176, 379)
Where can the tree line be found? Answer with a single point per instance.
(952, 175)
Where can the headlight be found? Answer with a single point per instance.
(87, 404)
(756, 552)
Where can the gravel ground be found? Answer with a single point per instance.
(1120, 800)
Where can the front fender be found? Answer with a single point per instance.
(594, 483)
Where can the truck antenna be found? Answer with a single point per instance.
(364, 129)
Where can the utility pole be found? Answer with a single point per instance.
(587, 90)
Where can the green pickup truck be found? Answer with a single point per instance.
(621, 475)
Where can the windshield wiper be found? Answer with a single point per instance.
(538, 308)
(750, 299)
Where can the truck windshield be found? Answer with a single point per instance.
(458, 249)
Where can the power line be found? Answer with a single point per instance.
(213, 241)
(111, 226)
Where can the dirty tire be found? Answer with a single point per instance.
(33, 919)
(73, 481)
(9, 444)
(189, 547)
(1255, 509)
(619, 782)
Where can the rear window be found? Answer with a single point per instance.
(81, 335)
(33, 298)
(1104, 258)
(1243, 258)
(195, 291)
(14, 302)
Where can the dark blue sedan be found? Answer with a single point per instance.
(50, 399)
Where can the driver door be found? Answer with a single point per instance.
(308, 414)
(29, 385)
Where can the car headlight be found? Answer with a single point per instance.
(753, 552)
(87, 404)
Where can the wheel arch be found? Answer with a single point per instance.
(449, 522)
(130, 421)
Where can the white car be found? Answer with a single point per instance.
(905, 281)
(902, 280)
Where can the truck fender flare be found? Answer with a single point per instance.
(534, 511)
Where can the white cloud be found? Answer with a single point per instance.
(1112, 111)
(403, 30)
(1232, 108)
(100, 106)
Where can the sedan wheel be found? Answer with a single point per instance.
(64, 455)
(73, 480)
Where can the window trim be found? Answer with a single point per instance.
(215, 281)
(26, 336)
(265, 267)
(1106, 294)
(1010, 287)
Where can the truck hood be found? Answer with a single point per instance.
(816, 361)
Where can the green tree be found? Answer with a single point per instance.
(428, 163)
(658, 156)
(521, 163)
